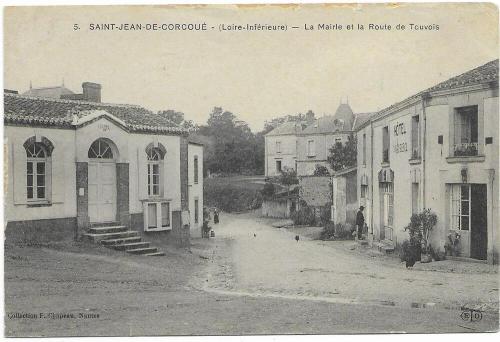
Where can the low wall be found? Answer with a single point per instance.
(178, 235)
(41, 231)
(276, 208)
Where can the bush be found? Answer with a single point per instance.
(420, 228)
(325, 214)
(230, 197)
(321, 170)
(304, 216)
(332, 231)
(409, 251)
(268, 191)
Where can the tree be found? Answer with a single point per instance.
(288, 177)
(172, 115)
(235, 148)
(321, 170)
(343, 156)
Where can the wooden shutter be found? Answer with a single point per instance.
(57, 177)
(18, 160)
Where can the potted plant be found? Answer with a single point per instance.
(419, 229)
(452, 246)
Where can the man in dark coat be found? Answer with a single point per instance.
(360, 222)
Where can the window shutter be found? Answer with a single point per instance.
(18, 160)
(142, 173)
(57, 178)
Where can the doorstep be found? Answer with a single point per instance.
(465, 259)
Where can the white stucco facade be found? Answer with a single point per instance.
(430, 158)
(280, 154)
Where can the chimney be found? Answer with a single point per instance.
(310, 117)
(91, 92)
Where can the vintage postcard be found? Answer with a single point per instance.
(251, 169)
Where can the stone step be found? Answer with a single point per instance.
(107, 236)
(112, 242)
(104, 224)
(107, 229)
(146, 250)
(385, 247)
(155, 254)
(131, 245)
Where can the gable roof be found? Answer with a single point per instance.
(325, 124)
(484, 74)
(289, 127)
(360, 119)
(52, 92)
(26, 110)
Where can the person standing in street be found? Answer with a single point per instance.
(360, 222)
(216, 216)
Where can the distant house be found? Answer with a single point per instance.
(281, 148)
(314, 142)
(75, 162)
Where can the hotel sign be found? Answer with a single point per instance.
(399, 133)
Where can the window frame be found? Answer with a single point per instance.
(386, 145)
(463, 123)
(415, 137)
(34, 158)
(278, 146)
(364, 149)
(456, 189)
(196, 210)
(155, 159)
(196, 170)
(311, 148)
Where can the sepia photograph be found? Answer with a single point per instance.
(250, 169)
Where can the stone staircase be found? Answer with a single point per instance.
(385, 246)
(116, 236)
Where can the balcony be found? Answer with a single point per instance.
(465, 149)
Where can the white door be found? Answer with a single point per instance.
(102, 191)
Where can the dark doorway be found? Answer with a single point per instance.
(479, 222)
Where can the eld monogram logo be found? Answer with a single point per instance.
(471, 315)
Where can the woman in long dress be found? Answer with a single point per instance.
(216, 216)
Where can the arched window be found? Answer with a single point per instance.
(155, 157)
(100, 149)
(37, 154)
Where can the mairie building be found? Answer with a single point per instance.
(437, 149)
(74, 162)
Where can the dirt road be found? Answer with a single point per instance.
(269, 261)
(236, 283)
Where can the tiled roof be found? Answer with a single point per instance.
(326, 124)
(361, 118)
(290, 127)
(53, 92)
(483, 74)
(20, 109)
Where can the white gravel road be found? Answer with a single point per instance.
(263, 260)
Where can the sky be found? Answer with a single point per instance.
(255, 75)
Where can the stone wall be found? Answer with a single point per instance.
(82, 199)
(122, 190)
(41, 231)
(316, 191)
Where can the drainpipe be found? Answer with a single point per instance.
(424, 145)
(371, 178)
